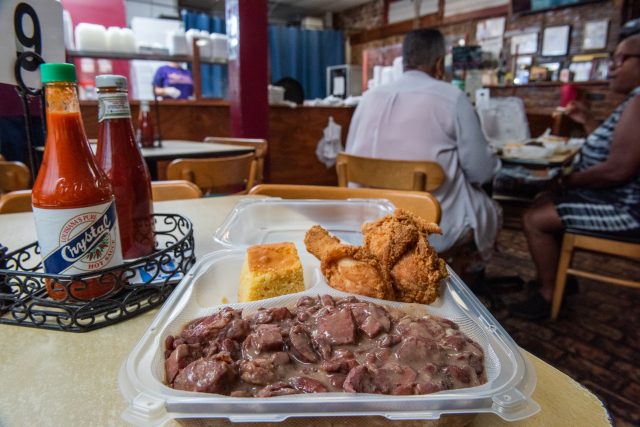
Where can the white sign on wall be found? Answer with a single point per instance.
(29, 25)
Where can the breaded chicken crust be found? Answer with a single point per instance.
(395, 262)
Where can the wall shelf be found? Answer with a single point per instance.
(141, 56)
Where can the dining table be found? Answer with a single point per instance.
(56, 378)
(171, 149)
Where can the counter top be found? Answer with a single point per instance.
(52, 378)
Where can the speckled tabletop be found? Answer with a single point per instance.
(50, 378)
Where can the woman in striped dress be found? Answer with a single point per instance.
(602, 194)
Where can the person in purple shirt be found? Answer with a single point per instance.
(173, 81)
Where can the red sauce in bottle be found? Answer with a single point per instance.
(119, 156)
(73, 202)
(146, 131)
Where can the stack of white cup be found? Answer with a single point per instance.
(91, 37)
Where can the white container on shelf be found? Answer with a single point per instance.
(276, 95)
(91, 37)
(204, 44)
(219, 46)
(114, 40)
(177, 42)
(128, 40)
(68, 30)
(190, 35)
(212, 284)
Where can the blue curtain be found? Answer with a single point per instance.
(305, 56)
(293, 52)
(214, 77)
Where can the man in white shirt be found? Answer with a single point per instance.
(420, 117)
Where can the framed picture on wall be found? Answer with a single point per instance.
(524, 44)
(595, 34)
(555, 40)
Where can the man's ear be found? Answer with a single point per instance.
(439, 68)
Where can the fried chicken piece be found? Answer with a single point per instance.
(346, 267)
(396, 261)
(388, 238)
(417, 275)
(400, 244)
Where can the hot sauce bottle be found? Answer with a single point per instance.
(119, 156)
(73, 203)
(146, 132)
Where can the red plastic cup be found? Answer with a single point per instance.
(568, 93)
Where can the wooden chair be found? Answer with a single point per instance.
(390, 174)
(261, 146)
(420, 203)
(174, 190)
(222, 175)
(627, 247)
(13, 176)
(15, 201)
(20, 201)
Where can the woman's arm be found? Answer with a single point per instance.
(624, 157)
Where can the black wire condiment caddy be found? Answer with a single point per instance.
(136, 286)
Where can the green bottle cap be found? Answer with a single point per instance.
(58, 73)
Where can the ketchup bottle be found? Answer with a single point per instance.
(119, 156)
(146, 133)
(73, 203)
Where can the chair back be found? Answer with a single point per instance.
(389, 174)
(261, 146)
(174, 190)
(13, 176)
(419, 203)
(15, 201)
(221, 175)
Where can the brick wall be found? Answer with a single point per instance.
(539, 99)
(361, 18)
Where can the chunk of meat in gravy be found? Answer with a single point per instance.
(209, 327)
(414, 351)
(267, 338)
(257, 371)
(371, 319)
(324, 344)
(206, 375)
(276, 314)
(277, 389)
(301, 343)
(307, 385)
(337, 327)
(178, 359)
(424, 327)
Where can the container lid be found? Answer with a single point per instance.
(111, 80)
(58, 73)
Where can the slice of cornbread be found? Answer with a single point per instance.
(269, 271)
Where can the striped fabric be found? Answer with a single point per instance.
(611, 209)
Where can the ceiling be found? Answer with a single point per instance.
(282, 9)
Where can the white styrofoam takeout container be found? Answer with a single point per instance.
(256, 221)
(213, 283)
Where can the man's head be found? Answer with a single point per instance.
(624, 72)
(423, 50)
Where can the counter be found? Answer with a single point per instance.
(293, 134)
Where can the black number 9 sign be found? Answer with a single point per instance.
(33, 41)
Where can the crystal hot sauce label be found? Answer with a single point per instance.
(75, 241)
